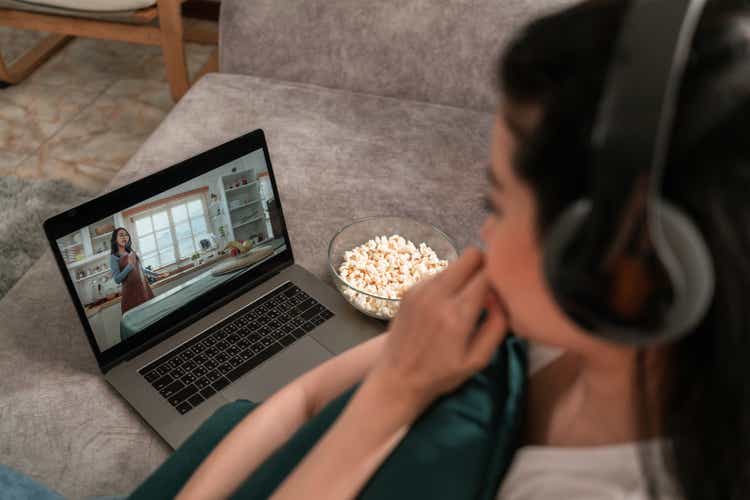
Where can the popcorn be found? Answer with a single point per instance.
(387, 267)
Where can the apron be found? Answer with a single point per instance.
(135, 289)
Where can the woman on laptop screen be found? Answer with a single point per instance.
(128, 271)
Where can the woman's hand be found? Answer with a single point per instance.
(432, 348)
(131, 258)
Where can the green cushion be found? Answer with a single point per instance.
(459, 448)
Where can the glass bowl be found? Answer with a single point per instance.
(361, 231)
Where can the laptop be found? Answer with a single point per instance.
(178, 325)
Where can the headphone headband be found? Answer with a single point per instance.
(607, 258)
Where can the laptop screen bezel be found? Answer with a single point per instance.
(142, 189)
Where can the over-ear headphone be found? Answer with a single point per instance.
(626, 264)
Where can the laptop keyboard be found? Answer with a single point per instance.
(207, 363)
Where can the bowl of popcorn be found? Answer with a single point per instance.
(373, 261)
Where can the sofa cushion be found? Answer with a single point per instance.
(92, 5)
(440, 52)
(122, 13)
(337, 156)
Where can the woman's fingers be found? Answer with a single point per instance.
(472, 297)
(489, 336)
(459, 272)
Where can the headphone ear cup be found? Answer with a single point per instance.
(678, 245)
(684, 254)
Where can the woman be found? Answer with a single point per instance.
(128, 271)
(595, 413)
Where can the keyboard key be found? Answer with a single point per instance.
(292, 290)
(162, 382)
(233, 350)
(181, 396)
(246, 354)
(287, 328)
(220, 383)
(225, 368)
(202, 382)
(189, 366)
(213, 375)
(317, 320)
(326, 314)
(267, 341)
(222, 345)
(235, 362)
(233, 338)
(299, 333)
(277, 334)
(257, 347)
(313, 311)
(207, 392)
(309, 326)
(188, 378)
(200, 359)
(211, 351)
(195, 350)
(200, 371)
(177, 372)
(221, 357)
(210, 364)
(195, 400)
(162, 370)
(184, 408)
(172, 389)
(151, 376)
(306, 304)
(253, 362)
(273, 324)
(297, 322)
(243, 343)
(287, 339)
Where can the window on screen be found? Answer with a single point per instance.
(171, 231)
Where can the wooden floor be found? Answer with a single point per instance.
(84, 113)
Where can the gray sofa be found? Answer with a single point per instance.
(369, 108)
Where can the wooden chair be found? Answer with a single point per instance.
(161, 24)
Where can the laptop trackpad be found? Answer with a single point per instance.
(278, 371)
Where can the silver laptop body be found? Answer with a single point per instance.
(175, 405)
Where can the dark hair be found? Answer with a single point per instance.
(559, 62)
(113, 241)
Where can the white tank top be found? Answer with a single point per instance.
(610, 472)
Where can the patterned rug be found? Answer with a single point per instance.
(24, 205)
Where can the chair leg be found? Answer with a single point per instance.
(32, 59)
(211, 65)
(173, 46)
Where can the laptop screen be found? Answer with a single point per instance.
(137, 265)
